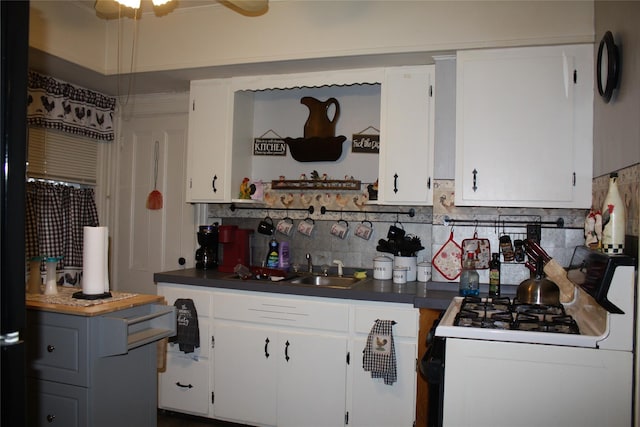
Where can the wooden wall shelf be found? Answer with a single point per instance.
(315, 184)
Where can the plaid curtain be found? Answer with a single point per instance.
(55, 215)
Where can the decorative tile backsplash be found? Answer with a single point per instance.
(427, 223)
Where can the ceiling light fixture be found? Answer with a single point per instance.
(135, 4)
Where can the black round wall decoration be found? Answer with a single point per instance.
(608, 66)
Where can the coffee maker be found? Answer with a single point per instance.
(207, 253)
(236, 247)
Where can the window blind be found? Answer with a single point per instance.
(61, 156)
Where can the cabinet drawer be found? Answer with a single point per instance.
(406, 320)
(282, 311)
(201, 299)
(184, 386)
(57, 404)
(57, 347)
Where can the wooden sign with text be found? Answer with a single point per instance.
(365, 143)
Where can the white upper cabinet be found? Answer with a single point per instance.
(524, 132)
(209, 146)
(406, 136)
(227, 114)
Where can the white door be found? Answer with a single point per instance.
(210, 108)
(406, 122)
(376, 404)
(520, 112)
(149, 241)
(245, 369)
(311, 379)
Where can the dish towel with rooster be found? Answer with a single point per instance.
(380, 353)
(187, 331)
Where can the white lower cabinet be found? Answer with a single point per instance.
(291, 361)
(374, 403)
(185, 386)
(271, 376)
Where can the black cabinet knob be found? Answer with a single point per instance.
(50, 418)
(50, 348)
(182, 261)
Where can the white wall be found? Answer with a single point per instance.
(616, 132)
(215, 35)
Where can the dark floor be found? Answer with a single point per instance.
(174, 419)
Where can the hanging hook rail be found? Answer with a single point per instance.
(233, 207)
(559, 223)
(411, 212)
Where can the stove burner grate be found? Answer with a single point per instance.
(502, 313)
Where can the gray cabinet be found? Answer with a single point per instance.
(95, 370)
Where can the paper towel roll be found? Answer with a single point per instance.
(95, 261)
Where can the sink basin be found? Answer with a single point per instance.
(325, 281)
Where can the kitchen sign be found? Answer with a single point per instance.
(269, 147)
(365, 143)
(362, 142)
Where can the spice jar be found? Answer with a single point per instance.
(506, 248)
(519, 250)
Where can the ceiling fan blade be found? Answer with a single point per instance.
(106, 7)
(250, 6)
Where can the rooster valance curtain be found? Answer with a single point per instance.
(59, 105)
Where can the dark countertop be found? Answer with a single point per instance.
(433, 295)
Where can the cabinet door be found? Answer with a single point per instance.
(311, 379)
(209, 155)
(184, 386)
(57, 404)
(523, 127)
(245, 373)
(375, 404)
(406, 129)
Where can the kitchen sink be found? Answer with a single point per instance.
(324, 281)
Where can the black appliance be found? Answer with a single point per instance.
(14, 27)
(207, 253)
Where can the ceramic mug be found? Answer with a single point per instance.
(266, 226)
(364, 230)
(306, 227)
(285, 226)
(340, 229)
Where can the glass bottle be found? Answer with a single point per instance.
(35, 277)
(494, 275)
(613, 219)
(51, 285)
(469, 278)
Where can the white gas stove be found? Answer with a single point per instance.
(566, 365)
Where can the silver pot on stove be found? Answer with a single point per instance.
(538, 290)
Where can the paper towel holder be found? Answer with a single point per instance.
(82, 295)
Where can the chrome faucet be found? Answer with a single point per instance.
(309, 263)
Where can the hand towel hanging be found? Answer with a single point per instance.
(379, 353)
(187, 330)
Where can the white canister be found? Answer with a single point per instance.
(410, 262)
(400, 275)
(424, 271)
(382, 268)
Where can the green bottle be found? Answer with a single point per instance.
(494, 275)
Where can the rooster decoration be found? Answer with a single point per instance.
(593, 228)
